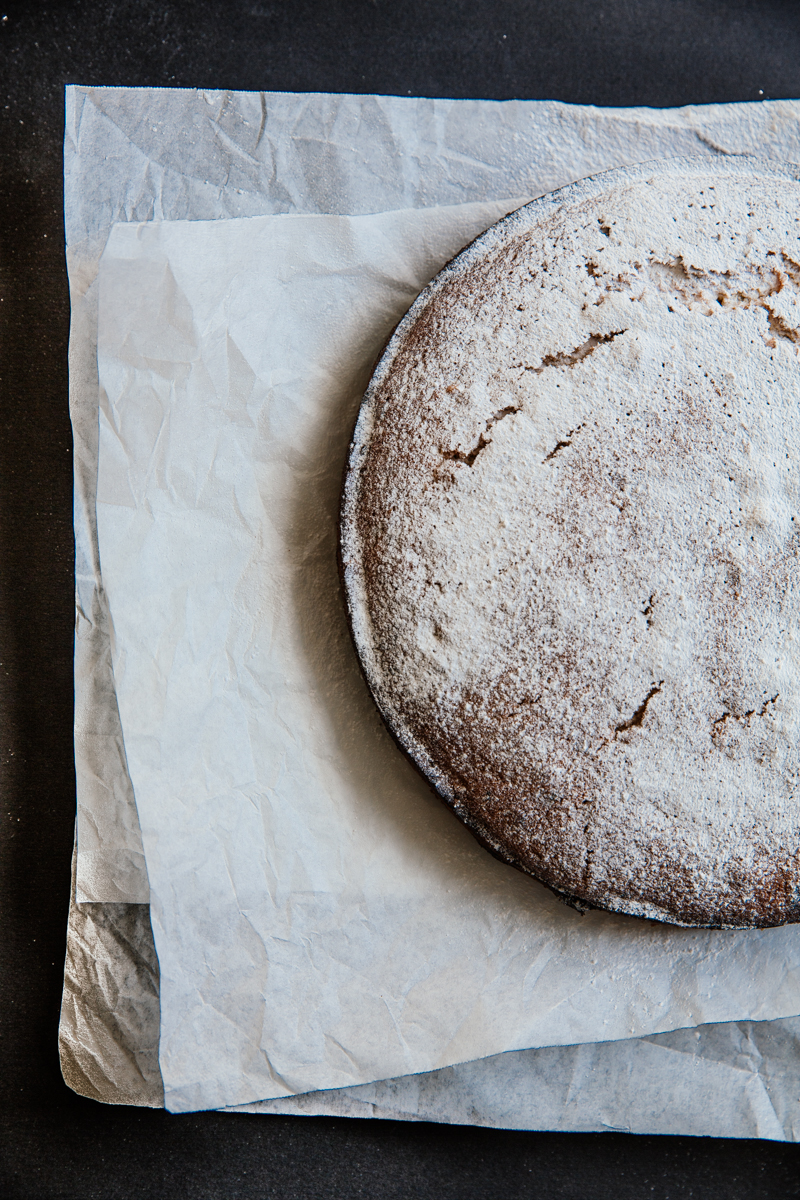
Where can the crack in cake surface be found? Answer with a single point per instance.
(483, 441)
(637, 719)
(571, 358)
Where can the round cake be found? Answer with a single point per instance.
(569, 540)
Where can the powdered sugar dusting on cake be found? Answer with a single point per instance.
(570, 534)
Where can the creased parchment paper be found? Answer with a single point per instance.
(320, 919)
(729, 1080)
(129, 827)
(138, 154)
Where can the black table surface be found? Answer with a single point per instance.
(608, 52)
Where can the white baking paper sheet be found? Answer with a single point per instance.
(140, 154)
(320, 919)
(731, 1080)
(125, 116)
(728, 1080)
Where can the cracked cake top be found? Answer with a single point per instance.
(569, 540)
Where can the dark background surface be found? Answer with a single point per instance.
(610, 52)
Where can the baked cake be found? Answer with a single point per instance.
(569, 540)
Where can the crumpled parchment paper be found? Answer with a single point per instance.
(139, 154)
(170, 315)
(320, 919)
